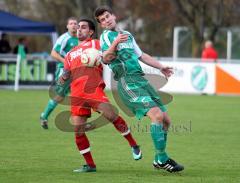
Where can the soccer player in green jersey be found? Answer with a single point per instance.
(122, 54)
(63, 45)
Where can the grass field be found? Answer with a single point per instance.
(204, 138)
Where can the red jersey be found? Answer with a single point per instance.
(84, 79)
(208, 54)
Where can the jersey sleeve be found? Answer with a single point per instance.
(104, 41)
(137, 50)
(57, 45)
(60, 44)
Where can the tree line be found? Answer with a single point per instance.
(151, 21)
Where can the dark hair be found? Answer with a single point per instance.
(21, 39)
(90, 22)
(100, 10)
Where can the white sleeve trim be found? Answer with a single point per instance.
(63, 45)
(137, 50)
(106, 39)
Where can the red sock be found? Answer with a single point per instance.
(84, 148)
(122, 127)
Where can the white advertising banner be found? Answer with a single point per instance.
(188, 77)
(193, 78)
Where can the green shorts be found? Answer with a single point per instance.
(138, 95)
(61, 90)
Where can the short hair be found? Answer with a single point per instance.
(72, 18)
(90, 22)
(21, 39)
(208, 43)
(100, 10)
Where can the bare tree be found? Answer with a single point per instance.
(152, 20)
(201, 16)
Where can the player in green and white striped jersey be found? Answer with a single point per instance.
(122, 54)
(63, 45)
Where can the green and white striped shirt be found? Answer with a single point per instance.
(126, 63)
(64, 44)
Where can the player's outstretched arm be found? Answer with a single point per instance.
(149, 60)
(57, 56)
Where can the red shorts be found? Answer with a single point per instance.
(82, 103)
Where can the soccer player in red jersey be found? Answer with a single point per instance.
(87, 92)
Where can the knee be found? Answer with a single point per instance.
(159, 117)
(111, 116)
(156, 115)
(108, 111)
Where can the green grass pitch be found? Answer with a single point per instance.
(204, 137)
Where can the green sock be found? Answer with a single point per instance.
(48, 110)
(159, 141)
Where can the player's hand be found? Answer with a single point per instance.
(108, 57)
(64, 78)
(167, 71)
(61, 80)
(121, 38)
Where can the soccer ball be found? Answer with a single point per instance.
(91, 57)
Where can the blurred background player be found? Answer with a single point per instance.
(209, 54)
(62, 46)
(87, 92)
(21, 41)
(134, 90)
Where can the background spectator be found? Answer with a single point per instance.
(209, 53)
(21, 41)
(4, 44)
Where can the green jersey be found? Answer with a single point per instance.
(134, 90)
(64, 44)
(126, 63)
